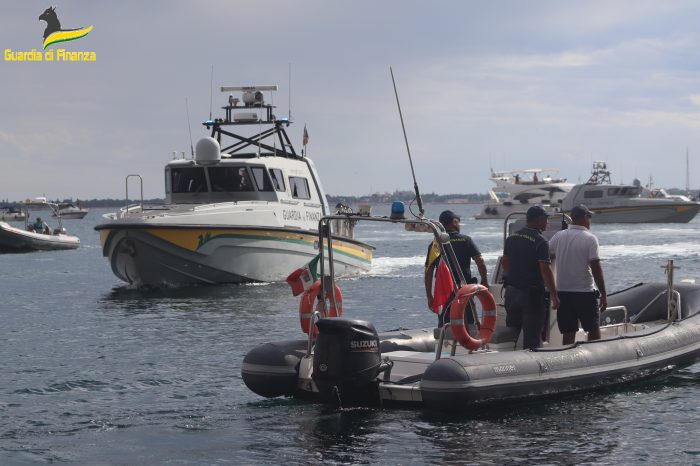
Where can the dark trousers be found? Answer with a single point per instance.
(525, 309)
(444, 316)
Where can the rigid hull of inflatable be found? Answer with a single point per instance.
(201, 254)
(273, 369)
(18, 240)
(640, 343)
(482, 377)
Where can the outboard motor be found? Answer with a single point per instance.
(347, 360)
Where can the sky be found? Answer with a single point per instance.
(482, 84)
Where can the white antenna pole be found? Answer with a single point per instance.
(290, 92)
(687, 172)
(211, 90)
(189, 126)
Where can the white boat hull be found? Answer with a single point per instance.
(163, 255)
(12, 217)
(647, 213)
(72, 214)
(18, 240)
(495, 210)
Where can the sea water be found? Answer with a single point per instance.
(94, 372)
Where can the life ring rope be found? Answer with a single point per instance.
(458, 326)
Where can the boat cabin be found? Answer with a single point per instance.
(187, 182)
(229, 166)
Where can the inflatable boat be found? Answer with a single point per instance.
(647, 330)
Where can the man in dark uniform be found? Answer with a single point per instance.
(528, 269)
(465, 250)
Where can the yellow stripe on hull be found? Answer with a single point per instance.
(194, 239)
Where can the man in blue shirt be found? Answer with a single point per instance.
(528, 269)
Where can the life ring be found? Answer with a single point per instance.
(306, 305)
(457, 321)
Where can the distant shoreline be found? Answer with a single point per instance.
(377, 198)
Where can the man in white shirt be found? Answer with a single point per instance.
(576, 257)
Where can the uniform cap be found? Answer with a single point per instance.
(536, 211)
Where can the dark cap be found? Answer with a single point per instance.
(536, 211)
(580, 211)
(447, 216)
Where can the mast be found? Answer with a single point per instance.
(687, 173)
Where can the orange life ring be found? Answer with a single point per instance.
(457, 322)
(306, 305)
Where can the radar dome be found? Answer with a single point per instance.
(208, 151)
(636, 183)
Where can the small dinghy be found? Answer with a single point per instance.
(647, 330)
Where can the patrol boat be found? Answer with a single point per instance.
(244, 208)
(623, 203)
(648, 330)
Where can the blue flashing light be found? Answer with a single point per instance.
(397, 210)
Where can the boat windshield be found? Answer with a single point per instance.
(229, 179)
(188, 180)
(245, 180)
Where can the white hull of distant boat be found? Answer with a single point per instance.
(500, 209)
(619, 203)
(231, 216)
(8, 215)
(523, 188)
(72, 212)
(18, 240)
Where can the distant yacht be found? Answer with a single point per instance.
(70, 210)
(623, 203)
(522, 189)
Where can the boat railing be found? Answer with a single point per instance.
(315, 315)
(515, 216)
(673, 306)
(325, 241)
(126, 184)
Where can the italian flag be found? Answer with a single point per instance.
(302, 278)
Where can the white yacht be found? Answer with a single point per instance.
(623, 203)
(520, 189)
(244, 208)
(70, 210)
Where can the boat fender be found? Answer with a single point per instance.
(457, 309)
(306, 305)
